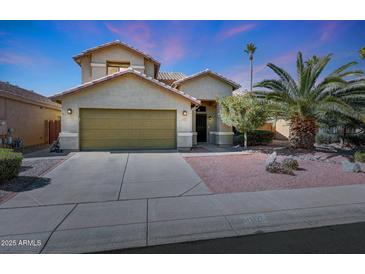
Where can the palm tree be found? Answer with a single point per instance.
(362, 53)
(250, 50)
(305, 101)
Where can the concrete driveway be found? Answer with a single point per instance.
(108, 176)
(98, 201)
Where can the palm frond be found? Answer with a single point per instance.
(285, 77)
(300, 66)
(343, 68)
(351, 73)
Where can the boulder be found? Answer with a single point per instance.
(348, 166)
(271, 159)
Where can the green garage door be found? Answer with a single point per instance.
(127, 129)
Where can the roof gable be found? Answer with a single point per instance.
(115, 43)
(207, 72)
(79, 88)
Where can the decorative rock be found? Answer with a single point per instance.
(271, 159)
(347, 166)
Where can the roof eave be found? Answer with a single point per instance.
(116, 43)
(221, 77)
(60, 96)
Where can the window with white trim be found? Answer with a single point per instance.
(113, 67)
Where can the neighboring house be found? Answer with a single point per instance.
(26, 112)
(125, 102)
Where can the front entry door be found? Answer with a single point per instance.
(201, 127)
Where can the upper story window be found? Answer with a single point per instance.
(113, 67)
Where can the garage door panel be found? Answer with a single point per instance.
(127, 114)
(106, 124)
(128, 144)
(127, 134)
(127, 129)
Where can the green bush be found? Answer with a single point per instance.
(360, 156)
(10, 163)
(256, 137)
(356, 139)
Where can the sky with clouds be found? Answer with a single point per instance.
(37, 55)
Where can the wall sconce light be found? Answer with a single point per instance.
(185, 113)
(69, 111)
(210, 117)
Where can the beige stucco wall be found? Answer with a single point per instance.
(281, 130)
(93, 66)
(85, 69)
(126, 92)
(206, 87)
(117, 54)
(149, 68)
(209, 88)
(28, 120)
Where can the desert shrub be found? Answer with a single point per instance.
(260, 137)
(326, 138)
(274, 167)
(360, 156)
(10, 163)
(277, 167)
(290, 163)
(287, 170)
(256, 137)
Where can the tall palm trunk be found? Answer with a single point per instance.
(251, 76)
(302, 132)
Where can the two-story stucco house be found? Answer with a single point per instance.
(126, 102)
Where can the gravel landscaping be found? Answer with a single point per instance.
(29, 177)
(243, 173)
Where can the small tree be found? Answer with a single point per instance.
(244, 112)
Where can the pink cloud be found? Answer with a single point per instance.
(11, 58)
(139, 33)
(328, 31)
(172, 50)
(229, 32)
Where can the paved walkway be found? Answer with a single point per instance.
(75, 214)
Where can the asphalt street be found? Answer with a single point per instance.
(347, 239)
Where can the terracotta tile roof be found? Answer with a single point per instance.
(113, 43)
(208, 71)
(10, 90)
(240, 91)
(121, 73)
(165, 75)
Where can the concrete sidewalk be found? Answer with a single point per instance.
(100, 226)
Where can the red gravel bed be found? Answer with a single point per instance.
(245, 173)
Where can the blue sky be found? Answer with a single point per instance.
(37, 55)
